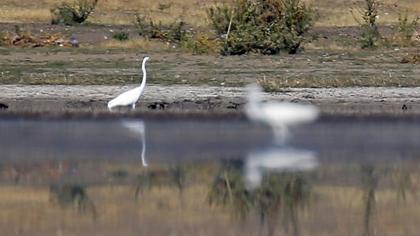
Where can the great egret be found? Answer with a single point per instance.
(138, 128)
(276, 159)
(131, 96)
(278, 115)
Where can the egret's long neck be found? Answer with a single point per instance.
(143, 68)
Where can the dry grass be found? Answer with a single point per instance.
(114, 12)
(338, 80)
(345, 207)
(338, 13)
(160, 212)
(331, 13)
(28, 210)
(332, 46)
(16, 15)
(140, 43)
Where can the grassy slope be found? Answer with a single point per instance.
(332, 13)
(332, 69)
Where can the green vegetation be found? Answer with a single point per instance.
(115, 67)
(121, 36)
(370, 33)
(151, 29)
(202, 43)
(347, 192)
(72, 196)
(265, 27)
(173, 176)
(276, 201)
(406, 29)
(228, 190)
(75, 13)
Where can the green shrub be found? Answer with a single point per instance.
(67, 195)
(202, 44)
(176, 32)
(370, 34)
(148, 28)
(219, 17)
(406, 29)
(75, 13)
(262, 26)
(121, 36)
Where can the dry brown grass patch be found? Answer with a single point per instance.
(332, 13)
(413, 59)
(139, 43)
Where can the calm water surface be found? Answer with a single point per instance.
(192, 177)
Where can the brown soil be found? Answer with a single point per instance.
(75, 81)
(90, 101)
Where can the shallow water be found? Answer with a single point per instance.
(195, 177)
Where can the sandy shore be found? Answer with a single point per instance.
(27, 99)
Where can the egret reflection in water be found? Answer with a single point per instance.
(276, 159)
(138, 127)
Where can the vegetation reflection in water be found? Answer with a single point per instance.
(209, 197)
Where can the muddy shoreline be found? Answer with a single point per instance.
(60, 101)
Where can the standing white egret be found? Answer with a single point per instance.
(131, 96)
(278, 115)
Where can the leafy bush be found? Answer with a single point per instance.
(75, 13)
(121, 36)
(262, 26)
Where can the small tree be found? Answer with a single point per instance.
(370, 33)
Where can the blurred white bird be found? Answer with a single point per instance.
(130, 97)
(276, 159)
(278, 115)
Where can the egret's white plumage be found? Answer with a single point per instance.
(278, 115)
(130, 97)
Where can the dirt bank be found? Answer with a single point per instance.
(91, 100)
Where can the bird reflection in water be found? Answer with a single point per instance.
(138, 127)
(276, 159)
(273, 183)
(279, 116)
